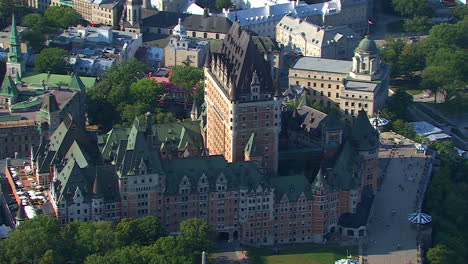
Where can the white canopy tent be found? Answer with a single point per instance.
(419, 218)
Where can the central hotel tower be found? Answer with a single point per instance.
(243, 104)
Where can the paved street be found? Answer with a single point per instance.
(391, 238)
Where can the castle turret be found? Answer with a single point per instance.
(365, 140)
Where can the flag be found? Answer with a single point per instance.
(370, 22)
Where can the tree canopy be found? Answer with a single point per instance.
(412, 8)
(63, 17)
(51, 60)
(418, 25)
(124, 93)
(220, 4)
(131, 241)
(190, 79)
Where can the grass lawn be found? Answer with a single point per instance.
(306, 255)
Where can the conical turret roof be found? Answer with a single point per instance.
(21, 214)
(363, 135)
(76, 83)
(97, 187)
(320, 181)
(251, 148)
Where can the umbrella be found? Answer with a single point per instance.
(379, 120)
(346, 261)
(419, 218)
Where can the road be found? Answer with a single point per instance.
(391, 237)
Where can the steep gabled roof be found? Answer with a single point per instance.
(241, 59)
(291, 186)
(238, 175)
(8, 88)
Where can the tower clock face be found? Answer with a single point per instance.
(13, 58)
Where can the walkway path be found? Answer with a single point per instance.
(391, 238)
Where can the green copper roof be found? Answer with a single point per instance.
(9, 118)
(32, 102)
(238, 175)
(344, 172)
(76, 83)
(291, 186)
(251, 148)
(367, 45)
(319, 181)
(14, 50)
(8, 88)
(179, 136)
(363, 135)
(55, 79)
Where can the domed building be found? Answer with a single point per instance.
(350, 85)
(183, 50)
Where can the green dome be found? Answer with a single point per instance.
(367, 45)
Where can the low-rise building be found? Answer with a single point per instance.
(263, 19)
(39, 4)
(104, 12)
(308, 39)
(183, 50)
(197, 26)
(94, 49)
(33, 104)
(351, 85)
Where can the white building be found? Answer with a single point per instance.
(317, 41)
(263, 20)
(93, 50)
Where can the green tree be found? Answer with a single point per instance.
(446, 72)
(186, 77)
(404, 128)
(147, 91)
(109, 98)
(37, 22)
(164, 118)
(412, 8)
(6, 9)
(446, 35)
(31, 240)
(220, 4)
(35, 39)
(125, 255)
(418, 25)
(391, 52)
(197, 235)
(440, 255)
(142, 231)
(167, 250)
(63, 17)
(460, 12)
(52, 60)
